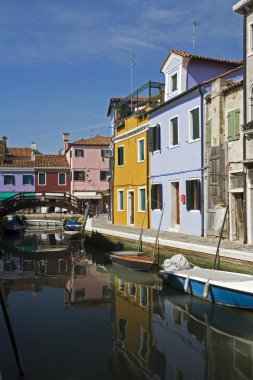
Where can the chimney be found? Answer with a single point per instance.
(65, 137)
(33, 150)
(4, 138)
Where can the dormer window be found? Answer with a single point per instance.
(174, 82)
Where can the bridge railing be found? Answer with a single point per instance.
(33, 200)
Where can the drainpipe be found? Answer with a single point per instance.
(200, 89)
(244, 122)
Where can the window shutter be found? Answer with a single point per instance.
(150, 139)
(153, 202)
(195, 124)
(230, 126)
(158, 137)
(189, 196)
(208, 133)
(160, 197)
(236, 124)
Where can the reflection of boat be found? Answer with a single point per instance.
(135, 277)
(221, 287)
(42, 248)
(141, 262)
(73, 230)
(46, 223)
(12, 226)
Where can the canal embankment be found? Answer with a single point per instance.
(234, 256)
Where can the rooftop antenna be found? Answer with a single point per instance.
(193, 35)
(132, 63)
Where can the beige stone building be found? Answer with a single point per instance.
(245, 8)
(223, 159)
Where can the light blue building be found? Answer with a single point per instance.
(177, 141)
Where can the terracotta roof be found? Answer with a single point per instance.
(51, 161)
(242, 6)
(19, 152)
(97, 140)
(232, 86)
(18, 164)
(202, 58)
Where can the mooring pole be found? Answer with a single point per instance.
(11, 333)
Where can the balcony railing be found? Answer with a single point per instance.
(247, 128)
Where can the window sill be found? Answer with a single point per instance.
(174, 146)
(193, 141)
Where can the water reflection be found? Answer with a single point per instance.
(133, 325)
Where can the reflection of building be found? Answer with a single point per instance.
(88, 283)
(202, 341)
(133, 340)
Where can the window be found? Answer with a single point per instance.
(79, 152)
(233, 125)
(193, 195)
(79, 175)
(28, 179)
(174, 131)
(142, 199)
(157, 197)
(103, 175)
(194, 124)
(144, 343)
(62, 178)
(42, 179)
(208, 133)
(154, 138)
(141, 154)
(121, 155)
(104, 153)
(120, 200)
(174, 82)
(9, 179)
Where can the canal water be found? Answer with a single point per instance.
(75, 316)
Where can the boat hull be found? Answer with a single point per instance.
(138, 262)
(216, 293)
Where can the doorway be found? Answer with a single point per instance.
(174, 205)
(130, 207)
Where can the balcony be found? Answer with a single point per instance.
(248, 128)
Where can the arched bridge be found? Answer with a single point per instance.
(23, 201)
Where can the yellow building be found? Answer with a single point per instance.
(131, 155)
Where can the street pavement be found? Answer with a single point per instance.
(231, 249)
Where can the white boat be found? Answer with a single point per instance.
(44, 223)
(216, 286)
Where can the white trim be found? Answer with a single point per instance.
(142, 188)
(250, 38)
(138, 149)
(118, 203)
(132, 133)
(42, 184)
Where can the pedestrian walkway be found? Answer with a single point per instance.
(229, 249)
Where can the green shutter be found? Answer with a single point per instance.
(189, 196)
(153, 201)
(236, 124)
(121, 155)
(158, 137)
(208, 133)
(150, 139)
(230, 126)
(195, 123)
(174, 126)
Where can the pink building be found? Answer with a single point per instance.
(89, 167)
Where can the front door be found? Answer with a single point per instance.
(174, 205)
(130, 207)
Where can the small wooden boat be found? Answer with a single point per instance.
(73, 230)
(221, 287)
(45, 223)
(135, 262)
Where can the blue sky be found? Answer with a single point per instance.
(62, 60)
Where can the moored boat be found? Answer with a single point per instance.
(73, 230)
(221, 287)
(141, 262)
